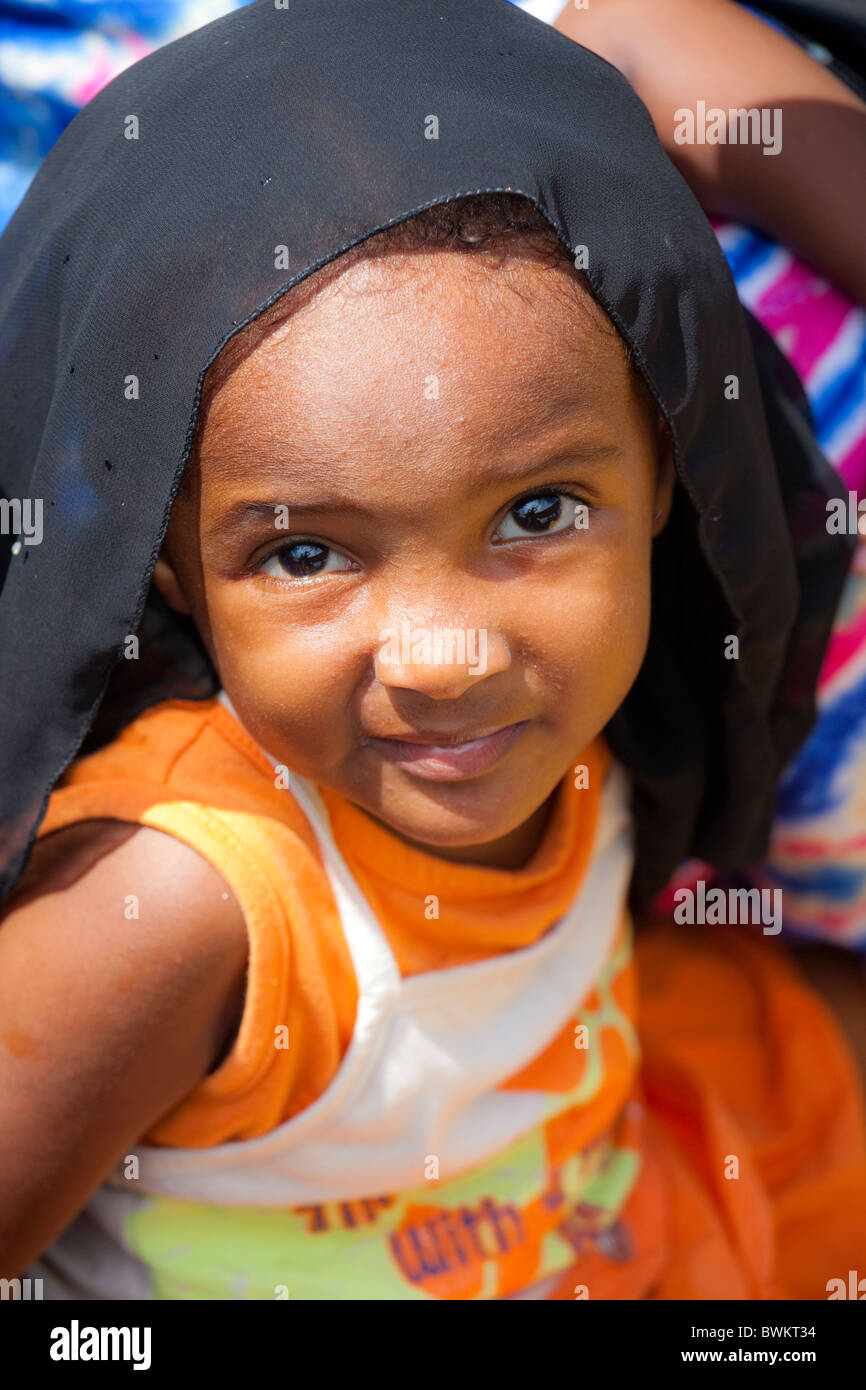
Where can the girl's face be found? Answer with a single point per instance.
(416, 542)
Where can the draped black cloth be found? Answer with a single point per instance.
(305, 127)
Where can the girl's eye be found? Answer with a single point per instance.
(303, 560)
(542, 513)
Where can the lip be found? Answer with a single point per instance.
(453, 757)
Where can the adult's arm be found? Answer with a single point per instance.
(811, 196)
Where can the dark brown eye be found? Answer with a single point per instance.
(537, 513)
(541, 514)
(302, 559)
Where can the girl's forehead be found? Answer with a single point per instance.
(403, 305)
(384, 429)
(345, 376)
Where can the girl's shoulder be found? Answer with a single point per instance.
(215, 863)
(141, 898)
(180, 754)
(123, 959)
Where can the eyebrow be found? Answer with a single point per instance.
(244, 514)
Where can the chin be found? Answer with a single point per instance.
(444, 827)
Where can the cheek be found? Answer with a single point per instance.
(596, 621)
(281, 672)
(601, 657)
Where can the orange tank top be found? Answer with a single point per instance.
(190, 769)
(713, 1145)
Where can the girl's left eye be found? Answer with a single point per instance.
(302, 559)
(542, 513)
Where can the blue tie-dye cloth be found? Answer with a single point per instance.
(56, 54)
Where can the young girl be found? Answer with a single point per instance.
(434, 555)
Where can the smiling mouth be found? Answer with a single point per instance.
(452, 758)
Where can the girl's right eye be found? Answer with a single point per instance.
(302, 559)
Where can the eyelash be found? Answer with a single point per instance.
(554, 490)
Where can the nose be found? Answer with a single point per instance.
(442, 662)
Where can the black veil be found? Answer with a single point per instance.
(149, 237)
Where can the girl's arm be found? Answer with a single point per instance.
(811, 197)
(106, 1023)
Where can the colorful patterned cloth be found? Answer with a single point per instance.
(818, 849)
(56, 54)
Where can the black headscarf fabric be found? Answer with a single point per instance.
(307, 127)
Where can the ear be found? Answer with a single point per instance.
(665, 480)
(166, 582)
